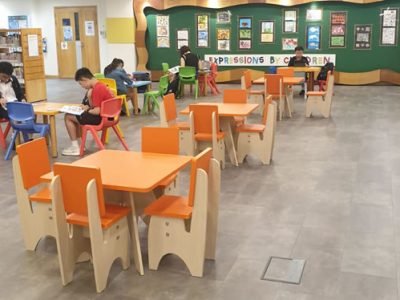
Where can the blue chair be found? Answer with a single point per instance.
(22, 119)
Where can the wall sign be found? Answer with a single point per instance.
(389, 26)
(202, 26)
(338, 30)
(313, 37)
(267, 32)
(362, 37)
(162, 31)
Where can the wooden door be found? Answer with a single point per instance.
(77, 40)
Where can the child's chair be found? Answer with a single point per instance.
(288, 72)
(274, 87)
(321, 101)
(99, 75)
(109, 112)
(114, 92)
(85, 224)
(182, 225)
(112, 85)
(254, 96)
(165, 68)
(33, 197)
(22, 120)
(204, 124)
(209, 80)
(258, 139)
(3, 134)
(236, 96)
(151, 97)
(187, 75)
(168, 118)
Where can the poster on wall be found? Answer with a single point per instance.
(202, 25)
(290, 21)
(224, 17)
(245, 32)
(162, 23)
(89, 28)
(33, 45)
(267, 32)
(223, 39)
(362, 37)
(338, 29)
(17, 22)
(244, 44)
(289, 44)
(313, 37)
(389, 26)
(182, 37)
(314, 15)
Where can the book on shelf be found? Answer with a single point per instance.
(72, 109)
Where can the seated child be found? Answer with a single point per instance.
(97, 93)
(10, 89)
(299, 61)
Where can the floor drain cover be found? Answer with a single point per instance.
(281, 269)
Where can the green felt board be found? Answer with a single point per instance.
(347, 59)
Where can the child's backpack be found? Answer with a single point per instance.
(323, 74)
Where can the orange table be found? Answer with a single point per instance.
(49, 111)
(226, 112)
(130, 172)
(311, 74)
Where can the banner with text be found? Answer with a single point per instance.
(230, 60)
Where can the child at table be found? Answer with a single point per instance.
(97, 92)
(10, 89)
(299, 61)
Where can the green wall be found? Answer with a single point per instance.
(347, 59)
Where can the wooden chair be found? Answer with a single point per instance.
(180, 225)
(168, 118)
(236, 96)
(321, 101)
(3, 134)
(109, 82)
(33, 197)
(254, 96)
(258, 139)
(204, 124)
(86, 225)
(274, 87)
(163, 140)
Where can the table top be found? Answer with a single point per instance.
(132, 171)
(136, 84)
(228, 109)
(303, 69)
(286, 80)
(49, 108)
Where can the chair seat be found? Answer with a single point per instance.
(256, 92)
(170, 207)
(316, 93)
(181, 125)
(113, 214)
(152, 93)
(251, 128)
(43, 195)
(167, 181)
(208, 137)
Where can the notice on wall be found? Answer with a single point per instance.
(89, 28)
(33, 45)
(67, 32)
(64, 46)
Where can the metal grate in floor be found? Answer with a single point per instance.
(286, 270)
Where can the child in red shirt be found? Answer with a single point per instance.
(97, 93)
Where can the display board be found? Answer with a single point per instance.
(348, 57)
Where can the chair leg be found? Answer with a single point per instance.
(145, 104)
(196, 89)
(96, 139)
(104, 135)
(125, 104)
(26, 137)
(10, 147)
(120, 138)
(107, 137)
(120, 130)
(83, 142)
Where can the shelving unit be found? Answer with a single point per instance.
(29, 69)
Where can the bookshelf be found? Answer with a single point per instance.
(16, 47)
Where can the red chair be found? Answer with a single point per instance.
(3, 135)
(109, 112)
(210, 81)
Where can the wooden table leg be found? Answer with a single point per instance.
(289, 101)
(53, 136)
(135, 101)
(46, 121)
(229, 141)
(310, 81)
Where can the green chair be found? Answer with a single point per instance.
(187, 75)
(99, 75)
(151, 97)
(165, 68)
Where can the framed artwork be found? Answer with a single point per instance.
(223, 39)
(202, 28)
(245, 22)
(162, 42)
(162, 25)
(337, 34)
(362, 37)
(245, 31)
(182, 38)
(389, 27)
(290, 18)
(267, 32)
(224, 17)
(313, 37)
(314, 15)
(244, 44)
(289, 44)
(223, 45)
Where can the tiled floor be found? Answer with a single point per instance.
(331, 196)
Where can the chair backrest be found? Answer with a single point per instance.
(74, 181)
(187, 72)
(247, 79)
(285, 72)
(163, 84)
(108, 82)
(170, 107)
(20, 112)
(99, 75)
(110, 108)
(201, 161)
(268, 101)
(165, 67)
(34, 161)
(202, 115)
(330, 81)
(235, 96)
(160, 140)
(273, 84)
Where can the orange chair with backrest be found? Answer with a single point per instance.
(3, 134)
(288, 72)
(321, 101)
(178, 224)
(204, 124)
(254, 96)
(33, 197)
(100, 229)
(111, 84)
(274, 87)
(168, 118)
(258, 139)
(236, 96)
(109, 112)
